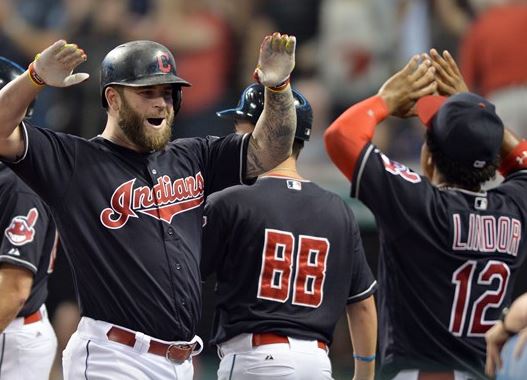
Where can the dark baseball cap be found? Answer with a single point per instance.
(465, 127)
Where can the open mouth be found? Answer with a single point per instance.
(155, 120)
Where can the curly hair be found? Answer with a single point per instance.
(458, 173)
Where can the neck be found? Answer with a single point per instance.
(287, 168)
(112, 132)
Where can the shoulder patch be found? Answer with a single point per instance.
(397, 168)
(21, 229)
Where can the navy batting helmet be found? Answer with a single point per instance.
(9, 70)
(251, 105)
(139, 64)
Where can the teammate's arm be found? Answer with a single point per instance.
(53, 67)
(347, 136)
(273, 135)
(515, 322)
(15, 287)
(362, 323)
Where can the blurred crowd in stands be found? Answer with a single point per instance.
(345, 50)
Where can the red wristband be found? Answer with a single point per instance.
(515, 160)
(281, 86)
(35, 78)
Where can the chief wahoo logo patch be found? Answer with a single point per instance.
(20, 230)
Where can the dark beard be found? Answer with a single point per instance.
(133, 127)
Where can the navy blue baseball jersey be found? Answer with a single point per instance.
(447, 265)
(29, 236)
(288, 257)
(130, 222)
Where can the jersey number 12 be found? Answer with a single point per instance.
(280, 264)
(464, 278)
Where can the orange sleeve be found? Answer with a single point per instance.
(350, 132)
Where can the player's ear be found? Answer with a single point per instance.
(113, 98)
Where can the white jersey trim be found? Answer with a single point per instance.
(26, 144)
(6, 258)
(283, 177)
(361, 169)
(242, 182)
(475, 193)
(364, 292)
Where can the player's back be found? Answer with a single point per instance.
(285, 252)
(448, 268)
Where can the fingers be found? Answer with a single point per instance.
(451, 62)
(430, 89)
(493, 361)
(75, 79)
(425, 79)
(56, 47)
(411, 66)
(280, 43)
(421, 70)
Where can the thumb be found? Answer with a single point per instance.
(75, 79)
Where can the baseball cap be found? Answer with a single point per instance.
(465, 127)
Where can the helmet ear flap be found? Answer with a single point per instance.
(177, 97)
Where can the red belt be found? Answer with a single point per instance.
(32, 318)
(260, 339)
(448, 375)
(177, 353)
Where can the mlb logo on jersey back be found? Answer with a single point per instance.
(294, 185)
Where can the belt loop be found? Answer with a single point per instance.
(142, 343)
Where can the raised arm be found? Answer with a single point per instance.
(52, 67)
(362, 323)
(351, 131)
(273, 135)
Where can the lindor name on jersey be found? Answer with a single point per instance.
(486, 233)
(163, 201)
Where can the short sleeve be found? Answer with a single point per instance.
(226, 162)
(363, 284)
(25, 223)
(48, 163)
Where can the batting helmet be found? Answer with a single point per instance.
(251, 106)
(138, 64)
(9, 70)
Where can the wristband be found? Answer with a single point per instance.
(364, 358)
(281, 86)
(35, 78)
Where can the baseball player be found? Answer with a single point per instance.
(128, 203)
(289, 260)
(450, 251)
(27, 251)
(506, 353)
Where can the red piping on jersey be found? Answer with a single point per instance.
(347, 136)
(515, 160)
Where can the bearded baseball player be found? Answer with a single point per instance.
(289, 261)
(450, 251)
(28, 247)
(129, 203)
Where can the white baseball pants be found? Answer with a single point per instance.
(297, 360)
(90, 355)
(27, 350)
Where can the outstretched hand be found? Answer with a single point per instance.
(276, 60)
(404, 88)
(448, 76)
(56, 63)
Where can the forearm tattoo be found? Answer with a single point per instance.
(273, 135)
